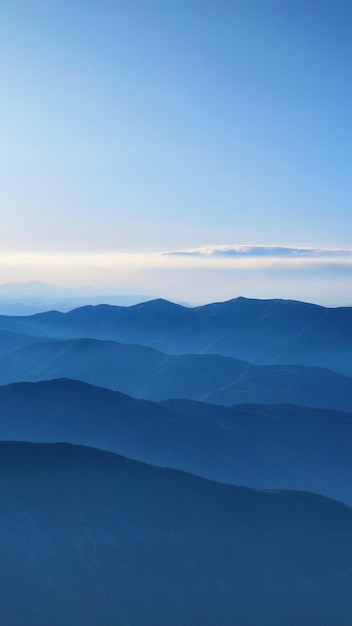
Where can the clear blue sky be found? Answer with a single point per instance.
(148, 126)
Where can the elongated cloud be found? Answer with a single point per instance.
(241, 251)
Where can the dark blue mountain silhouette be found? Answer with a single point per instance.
(88, 537)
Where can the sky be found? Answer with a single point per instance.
(193, 149)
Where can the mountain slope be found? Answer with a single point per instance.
(254, 445)
(14, 341)
(147, 373)
(88, 537)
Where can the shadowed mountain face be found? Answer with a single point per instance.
(260, 331)
(147, 373)
(254, 445)
(14, 341)
(90, 538)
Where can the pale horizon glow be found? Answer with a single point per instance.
(196, 276)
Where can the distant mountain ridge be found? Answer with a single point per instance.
(88, 537)
(19, 299)
(258, 446)
(259, 331)
(146, 373)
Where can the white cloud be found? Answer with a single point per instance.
(261, 251)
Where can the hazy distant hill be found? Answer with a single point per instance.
(254, 445)
(35, 297)
(146, 373)
(87, 538)
(259, 331)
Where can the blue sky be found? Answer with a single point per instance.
(134, 128)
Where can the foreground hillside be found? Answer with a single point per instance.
(147, 373)
(262, 446)
(259, 331)
(90, 538)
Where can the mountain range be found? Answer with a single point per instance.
(147, 373)
(261, 446)
(233, 506)
(258, 331)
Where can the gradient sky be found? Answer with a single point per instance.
(132, 128)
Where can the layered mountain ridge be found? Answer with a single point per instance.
(259, 331)
(90, 537)
(262, 446)
(147, 373)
